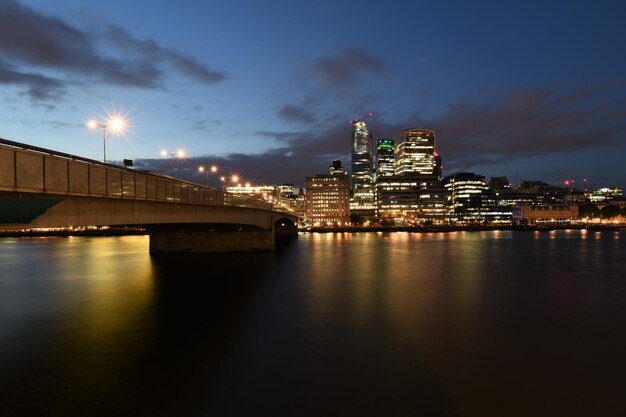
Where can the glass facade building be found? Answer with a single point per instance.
(363, 200)
(361, 155)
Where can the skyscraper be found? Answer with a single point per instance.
(415, 154)
(361, 154)
(363, 197)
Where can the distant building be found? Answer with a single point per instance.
(298, 205)
(336, 168)
(606, 194)
(328, 198)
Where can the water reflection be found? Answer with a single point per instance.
(462, 323)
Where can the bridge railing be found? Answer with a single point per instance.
(26, 168)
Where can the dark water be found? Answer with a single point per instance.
(399, 324)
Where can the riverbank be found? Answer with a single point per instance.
(122, 231)
(448, 228)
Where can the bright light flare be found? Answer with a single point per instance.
(117, 124)
(213, 168)
(91, 124)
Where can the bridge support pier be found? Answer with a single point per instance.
(212, 241)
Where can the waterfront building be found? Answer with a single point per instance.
(556, 214)
(471, 201)
(432, 203)
(415, 153)
(411, 199)
(328, 198)
(397, 198)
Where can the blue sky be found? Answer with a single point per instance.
(267, 89)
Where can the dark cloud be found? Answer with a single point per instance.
(38, 87)
(526, 123)
(49, 43)
(345, 67)
(296, 114)
(43, 40)
(149, 50)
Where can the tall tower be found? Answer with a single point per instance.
(361, 154)
(363, 200)
(416, 152)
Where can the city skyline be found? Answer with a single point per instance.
(267, 91)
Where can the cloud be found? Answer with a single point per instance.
(527, 123)
(149, 50)
(38, 87)
(50, 44)
(293, 113)
(199, 124)
(345, 67)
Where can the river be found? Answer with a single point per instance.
(485, 323)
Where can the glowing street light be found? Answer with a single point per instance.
(117, 124)
(179, 153)
(213, 170)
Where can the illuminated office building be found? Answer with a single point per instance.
(415, 154)
(328, 198)
(411, 199)
(471, 201)
(363, 197)
(385, 164)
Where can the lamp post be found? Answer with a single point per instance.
(213, 170)
(115, 123)
(179, 153)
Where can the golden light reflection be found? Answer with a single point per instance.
(116, 286)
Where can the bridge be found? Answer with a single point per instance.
(42, 189)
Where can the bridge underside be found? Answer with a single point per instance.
(173, 227)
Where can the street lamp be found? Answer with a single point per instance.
(179, 153)
(213, 170)
(117, 124)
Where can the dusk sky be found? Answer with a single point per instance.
(534, 90)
